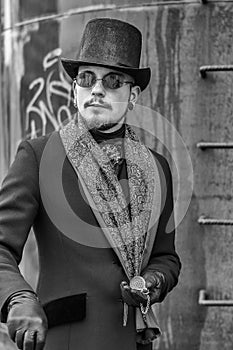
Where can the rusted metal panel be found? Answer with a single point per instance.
(206, 110)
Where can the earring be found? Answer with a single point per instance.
(75, 103)
(74, 96)
(130, 105)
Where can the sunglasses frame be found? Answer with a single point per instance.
(103, 81)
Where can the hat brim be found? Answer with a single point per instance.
(140, 75)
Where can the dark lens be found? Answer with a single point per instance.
(86, 79)
(113, 81)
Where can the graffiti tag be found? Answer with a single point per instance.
(40, 112)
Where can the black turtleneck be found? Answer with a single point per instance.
(114, 141)
(112, 144)
(101, 136)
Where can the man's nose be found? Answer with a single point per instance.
(98, 88)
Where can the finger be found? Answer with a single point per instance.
(124, 285)
(125, 288)
(19, 338)
(149, 284)
(150, 281)
(11, 330)
(124, 282)
(29, 339)
(40, 343)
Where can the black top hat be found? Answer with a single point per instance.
(110, 43)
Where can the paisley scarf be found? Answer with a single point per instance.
(129, 227)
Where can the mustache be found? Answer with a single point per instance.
(98, 101)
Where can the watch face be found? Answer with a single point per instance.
(138, 283)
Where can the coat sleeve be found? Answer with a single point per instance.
(19, 198)
(164, 257)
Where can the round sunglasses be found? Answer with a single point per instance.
(112, 81)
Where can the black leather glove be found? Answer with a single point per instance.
(155, 282)
(26, 321)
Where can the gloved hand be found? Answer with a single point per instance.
(26, 321)
(155, 282)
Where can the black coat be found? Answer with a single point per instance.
(88, 278)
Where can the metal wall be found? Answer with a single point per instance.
(179, 37)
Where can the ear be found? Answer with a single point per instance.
(134, 94)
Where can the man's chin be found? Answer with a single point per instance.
(92, 125)
(97, 124)
(100, 123)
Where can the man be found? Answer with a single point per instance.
(99, 202)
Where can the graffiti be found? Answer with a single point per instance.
(41, 113)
